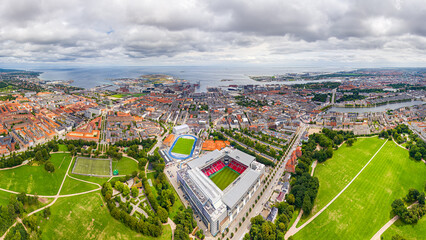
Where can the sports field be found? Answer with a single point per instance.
(183, 146)
(92, 166)
(366, 204)
(224, 177)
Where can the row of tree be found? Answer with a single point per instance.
(254, 144)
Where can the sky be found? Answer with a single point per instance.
(195, 32)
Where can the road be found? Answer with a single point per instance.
(245, 227)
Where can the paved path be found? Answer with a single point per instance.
(384, 228)
(294, 230)
(48, 205)
(387, 225)
(20, 165)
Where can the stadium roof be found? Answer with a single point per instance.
(201, 161)
(240, 188)
(207, 186)
(242, 157)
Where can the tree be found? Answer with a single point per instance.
(421, 198)
(397, 237)
(135, 191)
(48, 166)
(290, 199)
(399, 208)
(307, 204)
(39, 156)
(162, 214)
(418, 156)
(126, 190)
(119, 186)
(413, 195)
(46, 155)
(350, 142)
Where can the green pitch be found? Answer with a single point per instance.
(365, 206)
(224, 177)
(183, 146)
(92, 166)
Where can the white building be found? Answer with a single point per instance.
(182, 129)
(218, 208)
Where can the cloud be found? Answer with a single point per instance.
(196, 31)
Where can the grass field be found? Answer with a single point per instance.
(366, 204)
(74, 186)
(125, 166)
(224, 177)
(341, 168)
(34, 179)
(4, 198)
(407, 231)
(128, 94)
(63, 147)
(82, 217)
(92, 166)
(183, 146)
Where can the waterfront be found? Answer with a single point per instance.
(208, 76)
(375, 109)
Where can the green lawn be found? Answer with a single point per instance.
(128, 94)
(152, 177)
(335, 173)
(224, 177)
(34, 179)
(93, 166)
(366, 204)
(82, 217)
(63, 147)
(4, 198)
(125, 166)
(409, 232)
(183, 146)
(74, 186)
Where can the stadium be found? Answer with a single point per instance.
(183, 147)
(180, 145)
(219, 184)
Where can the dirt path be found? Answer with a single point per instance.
(293, 230)
(314, 165)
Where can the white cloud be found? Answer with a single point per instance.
(196, 31)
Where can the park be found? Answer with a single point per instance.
(74, 199)
(355, 213)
